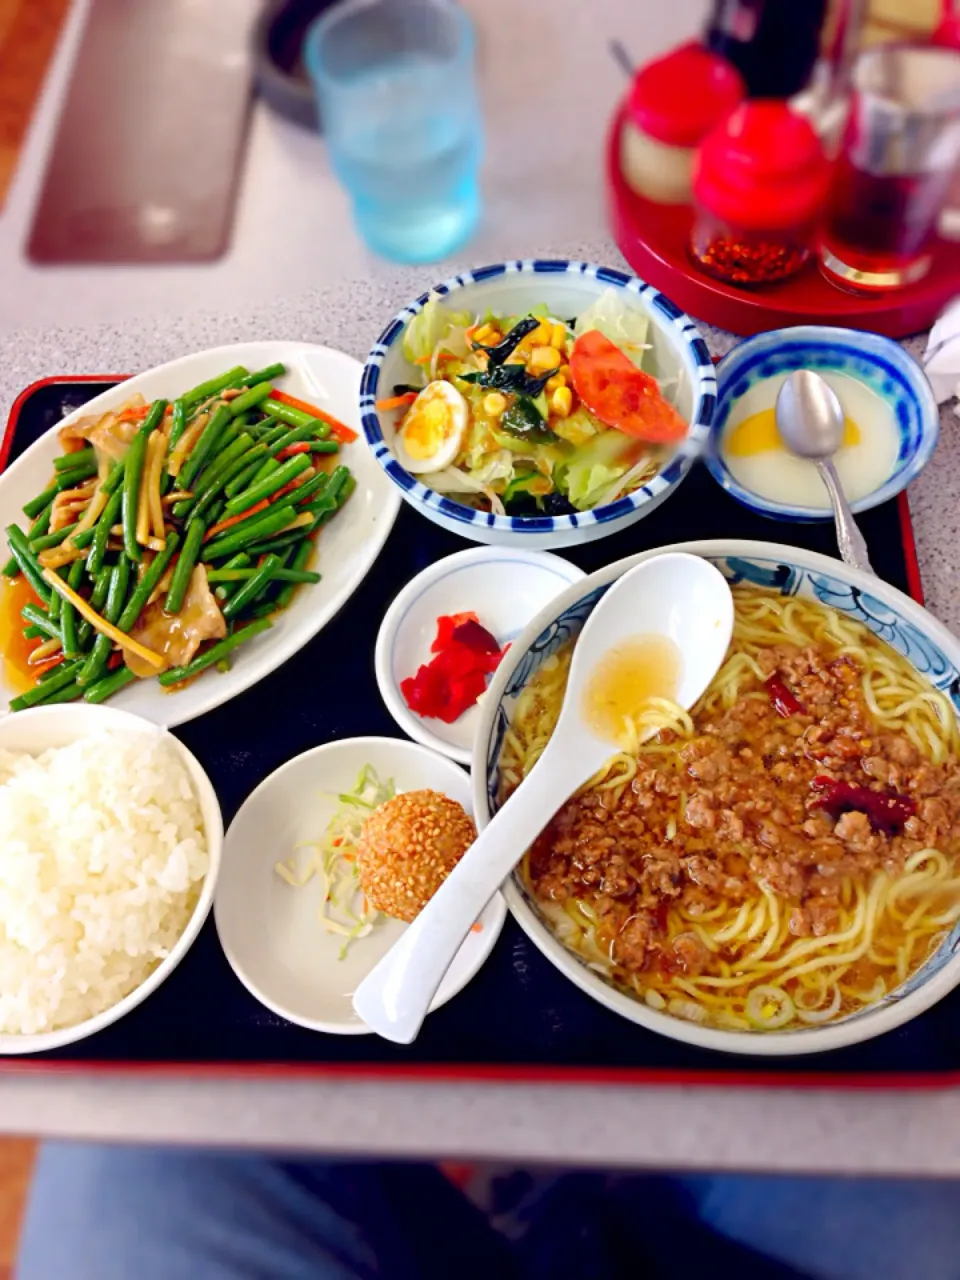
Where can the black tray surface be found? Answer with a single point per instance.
(519, 1013)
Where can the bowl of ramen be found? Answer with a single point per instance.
(891, 421)
(778, 870)
(538, 404)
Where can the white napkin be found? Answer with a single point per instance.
(942, 359)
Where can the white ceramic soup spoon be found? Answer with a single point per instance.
(661, 630)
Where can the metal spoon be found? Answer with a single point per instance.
(810, 422)
(677, 596)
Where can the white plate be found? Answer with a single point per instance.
(504, 586)
(346, 548)
(269, 930)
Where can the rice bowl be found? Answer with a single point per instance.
(110, 840)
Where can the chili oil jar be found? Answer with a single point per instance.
(759, 185)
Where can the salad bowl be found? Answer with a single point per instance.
(593, 495)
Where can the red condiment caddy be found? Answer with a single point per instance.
(655, 238)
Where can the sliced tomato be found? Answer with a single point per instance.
(620, 394)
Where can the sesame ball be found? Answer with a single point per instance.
(407, 849)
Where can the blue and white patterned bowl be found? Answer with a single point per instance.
(883, 365)
(890, 614)
(567, 288)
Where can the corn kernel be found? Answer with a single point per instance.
(544, 358)
(558, 337)
(482, 334)
(494, 404)
(540, 336)
(515, 358)
(562, 401)
(556, 382)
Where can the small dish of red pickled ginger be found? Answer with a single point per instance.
(443, 636)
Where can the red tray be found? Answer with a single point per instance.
(653, 239)
(203, 1023)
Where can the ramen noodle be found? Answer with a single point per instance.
(784, 854)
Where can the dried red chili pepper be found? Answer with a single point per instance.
(785, 701)
(887, 811)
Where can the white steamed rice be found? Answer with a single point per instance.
(102, 857)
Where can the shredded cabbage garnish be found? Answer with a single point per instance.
(623, 325)
(343, 907)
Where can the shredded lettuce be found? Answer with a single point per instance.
(623, 325)
(428, 329)
(494, 467)
(625, 482)
(454, 480)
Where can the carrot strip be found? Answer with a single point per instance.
(301, 446)
(135, 414)
(232, 520)
(295, 483)
(39, 668)
(339, 430)
(101, 624)
(396, 402)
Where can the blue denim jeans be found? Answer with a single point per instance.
(114, 1213)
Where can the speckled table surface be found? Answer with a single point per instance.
(781, 1129)
(296, 271)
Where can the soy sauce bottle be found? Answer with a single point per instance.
(772, 43)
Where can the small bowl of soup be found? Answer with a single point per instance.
(891, 421)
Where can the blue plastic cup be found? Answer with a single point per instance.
(396, 85)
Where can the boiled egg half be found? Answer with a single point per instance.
(758, 459)
(431, 434)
